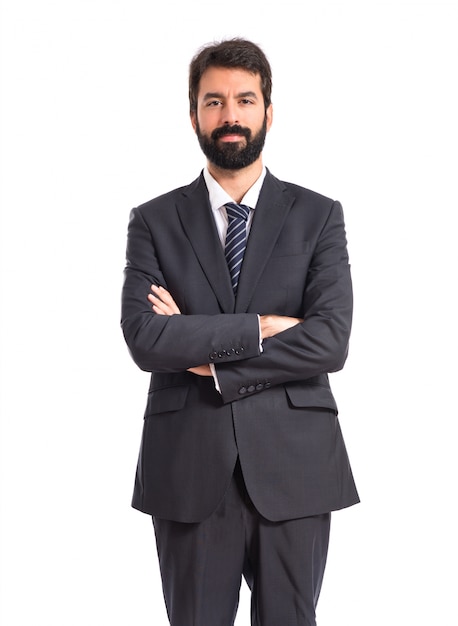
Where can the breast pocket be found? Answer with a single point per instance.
(290, 248)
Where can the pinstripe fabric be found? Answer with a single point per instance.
(237, 215)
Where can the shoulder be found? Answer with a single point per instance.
(299, 194)
(298, 191)
(170, 198)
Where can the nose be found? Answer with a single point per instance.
(229, 114)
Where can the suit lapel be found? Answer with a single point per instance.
(273, 206)
(196, 217)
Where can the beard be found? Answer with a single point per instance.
(232, 155)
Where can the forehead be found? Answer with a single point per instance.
(226, 80)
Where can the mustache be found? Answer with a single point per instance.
(231, 130)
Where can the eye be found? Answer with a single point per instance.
(246, 101)
(213, 103)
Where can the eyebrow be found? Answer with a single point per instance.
(244, 94)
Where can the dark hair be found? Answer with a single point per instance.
(236, 53)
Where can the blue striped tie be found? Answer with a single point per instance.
(237, 215)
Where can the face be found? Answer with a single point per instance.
(231, 121)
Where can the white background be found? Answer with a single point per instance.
(94, 122)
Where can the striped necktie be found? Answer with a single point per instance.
(237, 215)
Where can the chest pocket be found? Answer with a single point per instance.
(291, 248)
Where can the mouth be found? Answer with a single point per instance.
(231, 138)
(231, 134)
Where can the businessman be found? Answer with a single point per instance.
(238, 300)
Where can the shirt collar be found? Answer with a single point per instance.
(219, 197)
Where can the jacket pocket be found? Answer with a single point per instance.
(308, 395)
(166, 399)
(291, 248)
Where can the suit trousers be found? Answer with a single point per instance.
(202, 564)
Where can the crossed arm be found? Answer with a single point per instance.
(163, 304)
(292, 349)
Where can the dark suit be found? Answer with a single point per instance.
(276, 411)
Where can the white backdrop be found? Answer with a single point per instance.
(94, 122)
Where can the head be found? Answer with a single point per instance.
(233, 54)
(230, 87)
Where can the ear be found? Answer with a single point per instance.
(269, 116)
(193, 116)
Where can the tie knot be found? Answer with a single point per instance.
(240, 211)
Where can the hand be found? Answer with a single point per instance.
(162, 301)
(201, 370)
(273, 324)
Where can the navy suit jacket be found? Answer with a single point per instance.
(276, 411)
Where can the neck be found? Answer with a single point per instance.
(236, 182)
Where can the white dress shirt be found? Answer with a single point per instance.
(219, 198)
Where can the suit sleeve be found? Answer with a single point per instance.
(320, 343)
(174, 343)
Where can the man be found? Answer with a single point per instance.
(242, 459)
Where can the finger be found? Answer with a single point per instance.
(163, 301)
(160, 311)
(201, 370)
(160, 307)
(166, 298)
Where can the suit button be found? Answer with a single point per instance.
(242, 390)
(259, 387)
(213, 356)
(221, 354)
(267, 385)
(251, 388)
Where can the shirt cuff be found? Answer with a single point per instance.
(261, 349)
(215, 377)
